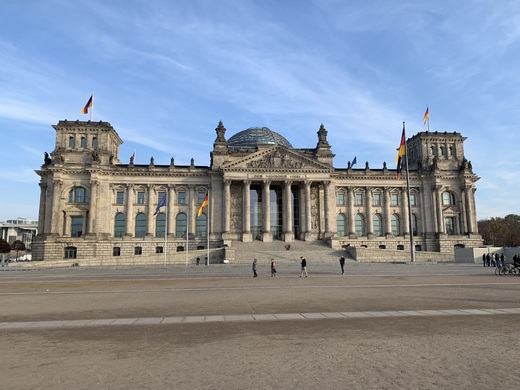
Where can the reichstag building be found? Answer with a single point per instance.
(260, 188)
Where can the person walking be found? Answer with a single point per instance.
(254, 269)
(342, 264)
(303, 263)
(273, 268)
(198, 260)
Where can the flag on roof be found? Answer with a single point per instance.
(354, 161)
(426, 115)
(88, 105)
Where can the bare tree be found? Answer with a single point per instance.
(17, 246)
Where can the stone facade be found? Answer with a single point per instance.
(259, 188)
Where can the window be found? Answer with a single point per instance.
(377, 224)
(181, 197)
(359, 223)
(450, 151)
(395, 225)
(413, 200)
(201, 226)
(200, 197)
(140, 197)
(394, 199)
(76, 226)
(359, 199)
(119, 225)
(340, 225)
(94, 143)
(377, 199)
(441, 150)
(414, 225)
(70, 252)
(449, 223)
(400, 247)
(448, 198)
(432, 151)
(341, 199)
(180, 225)
(116, 251)
(83, 142)
(138, 251)
(120, 197)
(140, 225)
(160, 225)
(72, 141)
(79, 195)
(159, 249)
(160, 196)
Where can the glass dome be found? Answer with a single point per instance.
(254, 136)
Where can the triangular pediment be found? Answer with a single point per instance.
(275, 158)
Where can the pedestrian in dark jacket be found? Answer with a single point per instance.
(254, 269)
(303, 263)
(342, 264)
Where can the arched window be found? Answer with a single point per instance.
(340, 225)
(180, 225)
(140, 225)
(432, 151)
(377, 223)
(160, 225)
(396, 229)
(441, 150)
(359, 223)
(119, 225)
(448, 198)
(83, 142)
(450, 151)
(79, 195)
(94, 143)
(72, 141)
(201, 226)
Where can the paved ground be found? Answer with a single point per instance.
(382, 326)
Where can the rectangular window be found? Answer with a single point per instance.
(120, 197)
(160, 195)
(116, 251)
(359, 199)
(377, 199)
(200, 197)
(140, 197)
(70, 252)
(413, 200)
(181, 197)
(138, 250)
(159, 249)
(76, 226)
(395, 199)
(341, 199)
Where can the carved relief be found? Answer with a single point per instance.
(278, 159)
(235, 218)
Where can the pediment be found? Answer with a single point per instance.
(275, 158)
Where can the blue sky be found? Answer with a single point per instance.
(165, 72)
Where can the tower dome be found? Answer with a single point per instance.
(255, 136)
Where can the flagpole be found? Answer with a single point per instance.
(207, 229)
(92, 110)
(187, 226)
(412, 246)
(165, 228)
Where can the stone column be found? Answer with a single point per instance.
(227, 205)
(192, 211)
(170, 217)
(368, 210)
(267, 236)
(308, 235)
(246, 212)
(404, 212)
(150, 219)
(350, 212)
(57, 217)
(288, 233)
(130, 211)
(386, 209)
(438, 203)
(90, 226)
(468, 196)
(327, 208)
(41, 211)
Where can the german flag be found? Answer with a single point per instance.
(203, 205)
(426, 115)
(401, 152)
(89, 104)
